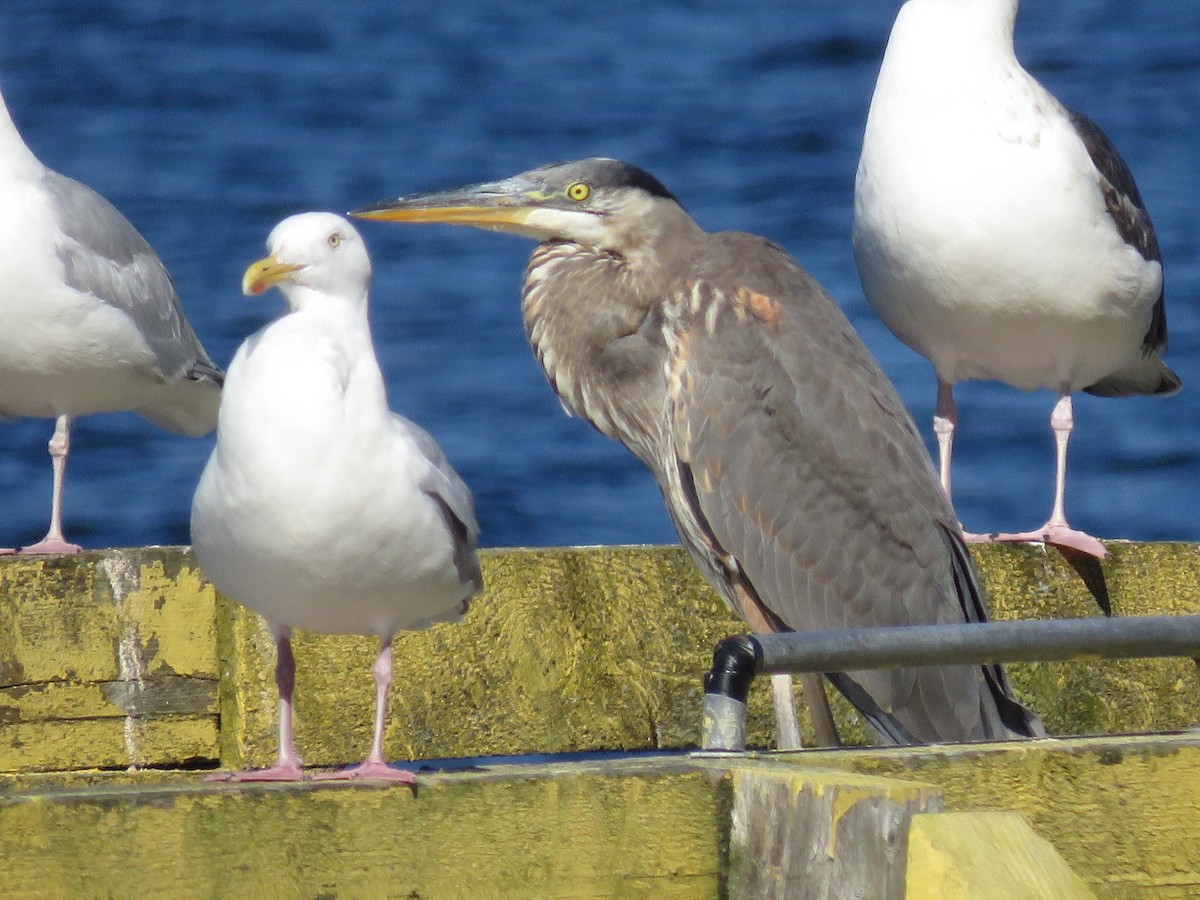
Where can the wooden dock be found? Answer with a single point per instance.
(123, 679)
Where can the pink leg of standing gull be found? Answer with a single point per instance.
(1056, 531)
(288, 767)
(374, 765)
(945, 418)
(53, 542)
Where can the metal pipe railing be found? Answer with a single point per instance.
(738, 659)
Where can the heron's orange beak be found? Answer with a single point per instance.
(479, 216)
(495, 205)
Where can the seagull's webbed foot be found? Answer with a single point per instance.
(971, 537)
(47, 545)
(278, 772)
(1059, 535)
(375, 770)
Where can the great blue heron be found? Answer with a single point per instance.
(791, 469)
(92, 322)
(319, 507)
(999, 234)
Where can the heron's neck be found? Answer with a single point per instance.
(592, 320)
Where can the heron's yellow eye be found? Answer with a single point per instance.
(335, 240)
(578, 191)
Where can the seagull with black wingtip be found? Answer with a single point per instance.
(1000, 234)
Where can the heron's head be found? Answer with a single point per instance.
(318, 251)
(603, 203)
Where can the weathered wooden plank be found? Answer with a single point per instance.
(107, 658)
(568, 649)
(801, 833)
(1031, 581)
(109, 743)
(162, 695)
(1121, 810)
(618, 830)
(601, 648)
(986, 856)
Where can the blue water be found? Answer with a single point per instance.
(207, 123)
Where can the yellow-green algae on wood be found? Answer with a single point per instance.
(110, 658)
(622, 829)
(667, 826)
(560, 653)
(567, 649)
(986, 856)
(107, 658)
(1031, 581)
(1124, 812)
(605, 647)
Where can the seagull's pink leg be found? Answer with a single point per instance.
(374, 765)
(945, 419)
(1056, 531)
(60, 446)
(288, 767)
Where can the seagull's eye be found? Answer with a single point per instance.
(579, 191)
(335, 240)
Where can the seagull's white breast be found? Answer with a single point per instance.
(310, 510)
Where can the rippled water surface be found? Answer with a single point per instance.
(207, 123)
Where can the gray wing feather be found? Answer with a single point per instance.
(445, 486)
(810, 474)
(104, 255)
(1127, 211)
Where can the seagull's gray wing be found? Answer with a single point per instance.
(802, 475)
(103, 255)
(1129, 216)
(451, 493)
(1126, 209)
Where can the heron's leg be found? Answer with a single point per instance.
(787, 727)
(374, 765)
(60, 446)
(288, 766)
(1056, 531)
(945, 420)
(818, 704)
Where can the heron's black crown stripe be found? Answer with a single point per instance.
(614, 173)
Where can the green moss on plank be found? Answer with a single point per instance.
(568, 649)
(1121, 811)
(986, 856)
(623, 831)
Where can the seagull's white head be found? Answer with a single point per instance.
(315, 253)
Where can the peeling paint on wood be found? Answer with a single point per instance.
(107, 658)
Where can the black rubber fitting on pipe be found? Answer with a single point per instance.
(735, 663)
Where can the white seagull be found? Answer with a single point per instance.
(999, 234)
(92, 322)
(319, 507)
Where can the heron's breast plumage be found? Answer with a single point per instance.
(595, 334)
